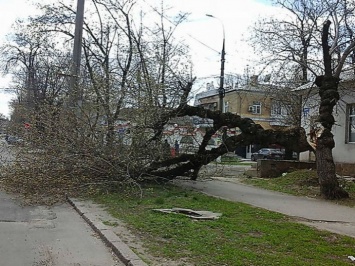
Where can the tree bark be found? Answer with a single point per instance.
(329, 96)
(329, 185)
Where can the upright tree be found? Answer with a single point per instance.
(311, 45)
(36, 63)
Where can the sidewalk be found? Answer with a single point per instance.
(322, 214)
(96, 216)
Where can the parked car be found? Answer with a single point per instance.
(267, 153)
(13, 140)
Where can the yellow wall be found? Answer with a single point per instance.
(239, 102)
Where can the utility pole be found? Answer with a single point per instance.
(75, 93)
(221, 90)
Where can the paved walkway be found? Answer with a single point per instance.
(322, 214)
(95, 216)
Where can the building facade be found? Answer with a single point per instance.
(344, 115)
(253, 100)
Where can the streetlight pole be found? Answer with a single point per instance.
(75, 93)
(221, 90)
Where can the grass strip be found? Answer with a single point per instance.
(244, 235)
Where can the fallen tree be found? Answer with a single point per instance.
(189, 164)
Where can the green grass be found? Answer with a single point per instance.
(242, 236)
(232, 160)
(301, 183)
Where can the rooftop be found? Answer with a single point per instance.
(344, 76)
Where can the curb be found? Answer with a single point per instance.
(118, 247)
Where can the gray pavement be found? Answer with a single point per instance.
(39, 235)
(321, 214)
(95, 216)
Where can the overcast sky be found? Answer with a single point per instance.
(203, 34)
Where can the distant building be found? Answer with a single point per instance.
(254, 100)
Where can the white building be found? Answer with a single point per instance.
(344, 114)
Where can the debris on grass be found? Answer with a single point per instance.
(198, 215)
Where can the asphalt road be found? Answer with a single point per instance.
(322, 214)
(39, 235)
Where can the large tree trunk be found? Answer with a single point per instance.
(329, 185)
(328, 92)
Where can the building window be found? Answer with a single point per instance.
(226, 107)
(351, 123)
(278, 108)
(255, 108)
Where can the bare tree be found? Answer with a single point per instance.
(36, 64)
(290, 47)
